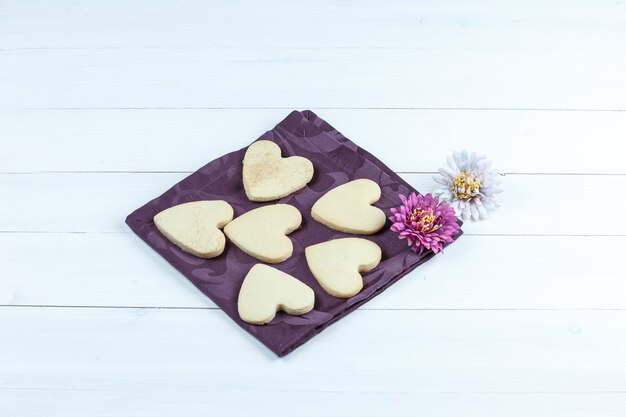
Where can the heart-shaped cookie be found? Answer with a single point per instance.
(267, 176)
(336, 264)
(266, 290)
(194, 227)
(261, 232)
(348, 208)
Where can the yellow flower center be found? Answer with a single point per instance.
(465, 186)
(427, 217)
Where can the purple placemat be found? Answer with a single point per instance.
(336, 160)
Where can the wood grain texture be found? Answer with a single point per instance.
(210, 400)
(310, 78)
(99, 202)
(477, 272)
(141, 140)
(417, 351)
(428, 24)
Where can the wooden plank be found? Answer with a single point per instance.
(429, 25)
(142, 140)
(478, 272)
(531, 204)
(315, 78)
(214, 401)
(369, 351)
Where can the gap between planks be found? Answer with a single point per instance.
(533, 109)
(77, 232)
(503, 174)
(585, 392)
(104, 307)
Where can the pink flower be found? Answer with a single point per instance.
(424, 222)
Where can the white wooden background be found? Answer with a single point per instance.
(103, 105)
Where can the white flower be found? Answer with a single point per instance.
(469, 185)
